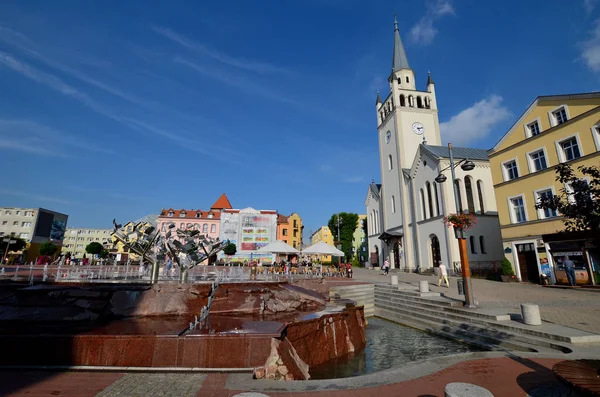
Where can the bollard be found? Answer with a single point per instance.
(423, 286)
(531, 314)
(460, 283)
(460, 389)
(394, 280)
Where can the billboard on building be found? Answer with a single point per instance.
(250, 230)
(50, 226)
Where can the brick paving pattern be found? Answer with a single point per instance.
(155, 384)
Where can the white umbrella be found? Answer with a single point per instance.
(278, 247)
(322, 248)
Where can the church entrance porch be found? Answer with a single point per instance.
(393, 240)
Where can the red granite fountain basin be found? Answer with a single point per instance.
(119, 327)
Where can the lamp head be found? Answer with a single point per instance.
(441, 178)
(468, 165)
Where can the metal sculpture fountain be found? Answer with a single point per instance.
(187, 248)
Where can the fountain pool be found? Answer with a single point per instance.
(390, 345)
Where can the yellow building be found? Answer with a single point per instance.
(323, 234)
(122, 253)
(295, 225)
(553, 129)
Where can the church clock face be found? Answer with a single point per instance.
(388, 136)
(418, 128)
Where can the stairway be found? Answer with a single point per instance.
(361, 294)
(447, 317)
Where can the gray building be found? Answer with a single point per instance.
(76, 239)
(34, 225)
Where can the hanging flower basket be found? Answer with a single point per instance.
(460, 221)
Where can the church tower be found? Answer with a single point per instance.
(405, 118)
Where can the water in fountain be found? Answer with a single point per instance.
(16, 272)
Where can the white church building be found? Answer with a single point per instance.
(405, 211)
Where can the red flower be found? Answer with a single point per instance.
(460, 221)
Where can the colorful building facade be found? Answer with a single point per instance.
(323, 234)
(76, 239)
(289, 229)
(553, 129)
(359, 241)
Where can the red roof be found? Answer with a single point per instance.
(222, 203)
(282, 219)
(189, 214)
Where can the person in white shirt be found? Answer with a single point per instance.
(443, 274)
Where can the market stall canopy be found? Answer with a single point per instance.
(278, 247)
(322, 248)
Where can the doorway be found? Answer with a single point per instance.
(396, 255)
(436, 255)
(528, 263)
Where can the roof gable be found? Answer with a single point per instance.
(222, 203)
(537, 101)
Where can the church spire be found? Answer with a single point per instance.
(399, 60)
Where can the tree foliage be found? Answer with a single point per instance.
(579, 204)
(507, 268)
(48, 249)
(18, 245)
(94, 248)
(348, 224)
(230, 249)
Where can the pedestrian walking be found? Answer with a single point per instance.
(442, 274)
(570, 270)
(386, 265)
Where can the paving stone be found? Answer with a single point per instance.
(155, 384)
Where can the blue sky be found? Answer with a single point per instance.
(120, 108)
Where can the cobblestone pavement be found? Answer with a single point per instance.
(569, 307)
(501, 376)
(153, 384)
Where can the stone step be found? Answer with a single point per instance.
(443, 301)
(508, 343)
(354, 287)
(434, 305)
(547, 331)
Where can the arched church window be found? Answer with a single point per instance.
(482, 245)
(437, 201)
(390, 164)
(399, 80)
(393, 204)
(469, 193)
(472, 241)
(411, 101)
(402, 100)
(427, 103)
(429, 198)
(480, 196)
(458, 195)
(406, 81)
(423, 204)
(419, 102)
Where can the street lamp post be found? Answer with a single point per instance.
(339, 242)
(467, 165)
(8, 242)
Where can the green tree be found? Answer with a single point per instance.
(94, 248)
(18, 244)
(48, 249)
(348, 224)
(579, 204)
(507, 268)
(230, 249)
(103, 254)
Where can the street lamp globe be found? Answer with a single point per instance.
(441, 178)
(468, 165)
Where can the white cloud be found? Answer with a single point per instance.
(590, 49)
(34, 138)
(441, 8)
(589, 5)
(36, 197)
(476, 122)
(253, 66)
(423, 32)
